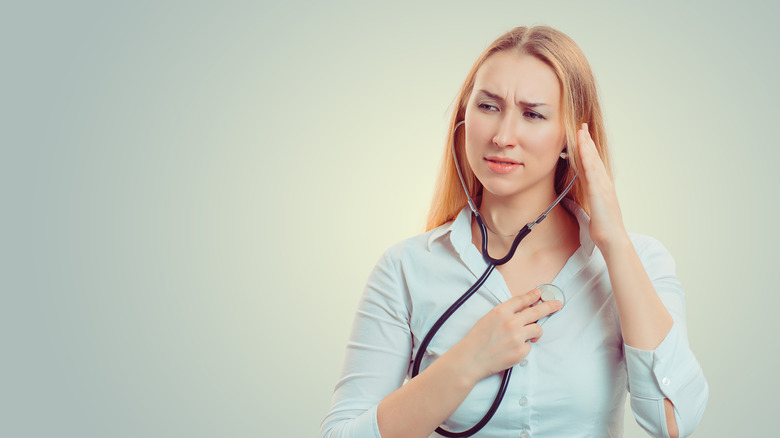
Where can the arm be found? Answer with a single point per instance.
(665, 380)
(652, 327)
(377, 356)
(369, 400)
(498, 341)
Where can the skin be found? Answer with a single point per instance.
(644, 319)
(514, 114)
(501, 123)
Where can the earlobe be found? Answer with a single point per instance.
(564, 155)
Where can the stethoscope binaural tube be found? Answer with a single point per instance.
(492, 263)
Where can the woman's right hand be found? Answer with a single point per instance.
(501, 338)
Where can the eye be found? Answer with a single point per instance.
(487, 107)
(533, 115)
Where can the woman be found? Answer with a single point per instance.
(527, 124)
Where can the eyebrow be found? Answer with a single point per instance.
(520, 102)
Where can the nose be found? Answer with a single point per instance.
(506, 133)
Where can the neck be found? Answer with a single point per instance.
(506, 216)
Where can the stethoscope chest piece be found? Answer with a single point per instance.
(551, 292)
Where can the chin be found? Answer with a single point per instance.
(502, 190)
(505, 189)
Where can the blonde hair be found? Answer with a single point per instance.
(580, 104)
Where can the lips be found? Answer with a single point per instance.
(501, 160)
(501, 165)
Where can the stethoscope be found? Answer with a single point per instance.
(549, 292)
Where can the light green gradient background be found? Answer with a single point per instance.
(194, 194)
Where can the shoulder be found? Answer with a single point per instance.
(643, 242)
(419, 255)
(652, 252)
(401, 263)
(418, 245)
(437, 241)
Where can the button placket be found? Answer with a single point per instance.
(521, 420)
(523, 401)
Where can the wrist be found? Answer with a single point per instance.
(461, 365)
(616, 243)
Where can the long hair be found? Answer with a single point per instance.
(580, 104)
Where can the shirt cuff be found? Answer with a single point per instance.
(361, 426)
(366, 425)
(374, 422)
(653, 374)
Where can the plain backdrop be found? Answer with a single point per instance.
(193, 193)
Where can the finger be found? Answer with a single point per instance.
(533, 314)
(535, 331)
(582, 152)
(520, 302)
(589, 155)
(585, 145)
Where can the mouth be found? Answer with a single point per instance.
(501, 165)
(501, 160)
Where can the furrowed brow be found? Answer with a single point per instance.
(519, 102)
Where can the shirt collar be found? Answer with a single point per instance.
(584, 221)
(459, 229)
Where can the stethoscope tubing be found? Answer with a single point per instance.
(427, 340)
(492, 263)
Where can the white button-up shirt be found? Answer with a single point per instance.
(574, 381)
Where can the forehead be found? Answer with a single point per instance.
(516, 76)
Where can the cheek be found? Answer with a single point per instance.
(477, 136)
(476, 149)
(479, 131)
(546, 141)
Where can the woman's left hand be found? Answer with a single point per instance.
(606, 221)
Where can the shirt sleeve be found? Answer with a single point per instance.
(671, 370)
(377, 357)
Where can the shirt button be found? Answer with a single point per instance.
(524, 434)
(523, 401)
(665, 381)
(523, 363)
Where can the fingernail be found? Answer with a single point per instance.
(537, 292)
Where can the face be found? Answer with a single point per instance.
(514, 126)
